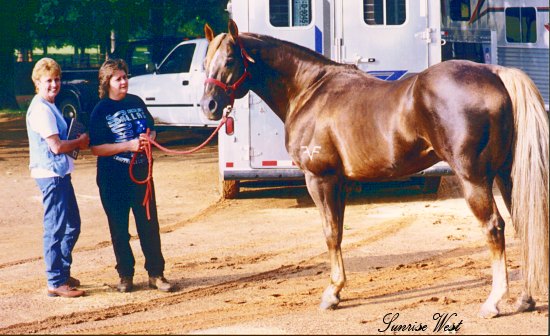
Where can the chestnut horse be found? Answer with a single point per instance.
(487, 122)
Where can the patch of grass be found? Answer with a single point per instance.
(12, 112)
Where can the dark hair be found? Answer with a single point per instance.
(106, 72)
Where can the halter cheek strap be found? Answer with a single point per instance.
(230, 89)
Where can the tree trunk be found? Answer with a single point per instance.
(157, 25)
(7, 62)
(7, 86)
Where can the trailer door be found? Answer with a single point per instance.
(388, 38)
(298, 21)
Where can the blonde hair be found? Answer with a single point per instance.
(106, 73)
(45, 66)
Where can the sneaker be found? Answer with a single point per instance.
(73, 282)
(126, 284)
(160, 283)
(65, 291)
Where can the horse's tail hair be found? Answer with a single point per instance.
(529, 176)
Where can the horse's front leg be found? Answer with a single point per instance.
(329, 196)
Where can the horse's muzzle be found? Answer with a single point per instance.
(211, 109)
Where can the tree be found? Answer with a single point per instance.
(85, 23)
(48, 28)
(189, 16)
(15, 22)
(96, 16)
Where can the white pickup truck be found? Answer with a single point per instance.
(173, 91)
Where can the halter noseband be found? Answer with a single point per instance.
(230, 89)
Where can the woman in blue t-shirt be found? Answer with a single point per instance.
(116, 126)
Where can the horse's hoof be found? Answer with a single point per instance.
(525, 305)
(329, 301)
(328, 305)
(488, 312)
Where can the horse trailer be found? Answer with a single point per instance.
(390, 39)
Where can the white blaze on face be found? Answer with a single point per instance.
(214, 53)
(213, 62)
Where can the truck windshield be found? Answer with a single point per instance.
(179, 60)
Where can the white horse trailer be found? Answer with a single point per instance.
(390, 39)
(510, 33)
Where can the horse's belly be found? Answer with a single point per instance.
(369, 173)
(384, 168)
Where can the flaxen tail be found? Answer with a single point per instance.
(529, 176)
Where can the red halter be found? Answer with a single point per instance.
(230, 89)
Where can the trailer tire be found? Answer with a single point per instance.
(430, 184)
(229, 189)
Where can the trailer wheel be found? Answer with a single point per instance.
(229, 189)
(430, 184)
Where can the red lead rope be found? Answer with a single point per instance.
(147, 149)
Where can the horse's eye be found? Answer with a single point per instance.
(229, 61)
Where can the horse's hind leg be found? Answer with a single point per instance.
(479, 196)
(328, 194)
(504, 181)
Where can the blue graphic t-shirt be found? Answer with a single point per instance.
(115, 121)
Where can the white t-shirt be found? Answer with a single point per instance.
(42, 121)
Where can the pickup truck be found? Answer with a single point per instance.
(79, 88)
(173, 91)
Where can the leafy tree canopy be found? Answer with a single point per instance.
(85, 23)
(25, 25)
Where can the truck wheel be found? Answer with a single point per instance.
(69, 108)
(430, 184)
(229, 189)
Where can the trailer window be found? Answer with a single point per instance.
(384, 12)
(521, 25)
(289, 13)
(179, 60)
(460, 10)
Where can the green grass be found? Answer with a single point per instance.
(12, 112)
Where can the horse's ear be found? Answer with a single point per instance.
(233, 30)
(208, 32)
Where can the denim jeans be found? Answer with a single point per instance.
(61, 227)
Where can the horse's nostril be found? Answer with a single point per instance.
(212, 105)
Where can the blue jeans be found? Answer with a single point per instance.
(61, 227)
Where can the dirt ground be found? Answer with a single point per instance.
(256, 264)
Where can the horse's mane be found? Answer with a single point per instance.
(301, 51)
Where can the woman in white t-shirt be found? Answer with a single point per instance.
(51, 168)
